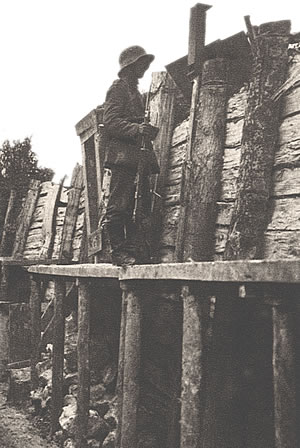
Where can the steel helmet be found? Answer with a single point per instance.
(132, 54)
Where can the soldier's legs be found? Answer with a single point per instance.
(118, 214)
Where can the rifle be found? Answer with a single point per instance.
(142, 165)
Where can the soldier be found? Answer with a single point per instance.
(126, 131)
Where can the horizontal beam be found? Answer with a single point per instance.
(244, 271)
(101, 270)
(257, 271)
(11, 261)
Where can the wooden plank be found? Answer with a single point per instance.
(291, 102)
(132, 364)
(35, 311)
(86, 123)
(180, 133)
(49, 221)
(100, 270)
(19, 364)
(25, 218)
(249, 218)
(83, 351)
(192, 380)
(236, 105)
(288, 154)
(282, 245)
(71, 214)
(289, 129)
(286, 181)
(58, 354)
(234, 132)
(206, 163)
(90, 184)
(244, 271)
(284, 212)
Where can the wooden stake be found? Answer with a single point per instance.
(8, 228)
(58, 354)
(83, 354)
(284, 373)
(49, 221)
(71, 214)
(186, 175)
(206, 163)
(132, 362)
(25, 218)
(192, 399)
(250, 215)
(121, 370)
(35, 311)
(162, 144)
(197, 30)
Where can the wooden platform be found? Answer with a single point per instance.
(281, 271)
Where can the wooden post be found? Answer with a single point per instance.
(162, 144)
(121, 370)
(49, 222)
(58, 353)
(25, 218)
(186, 175)
(35, 311)
(9, 225)
(284, 371)
(71, 214)
(195, 237)
(132, 361)
(83, 359)
(206, 163)
(4, 282)
(250, 215)
(197, 30)
(192, 371)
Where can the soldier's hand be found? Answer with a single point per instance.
(147, 130)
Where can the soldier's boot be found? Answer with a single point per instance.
(120, 255)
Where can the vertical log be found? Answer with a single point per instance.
(4, 282)
(9, 225)
(58, 353)
(192, 371)
(121, 370)
(284, 373)
(49, 221)
(71, 214)
(260, 133)
(206, 163)
(162, 144)
(186, 175)
(132, 362)
(35, 311)
(25, 218)
(83, 353)
(197, 28)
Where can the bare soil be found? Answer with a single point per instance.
(17, 428)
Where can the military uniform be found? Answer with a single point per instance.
(123, 113)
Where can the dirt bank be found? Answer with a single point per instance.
(16, 429)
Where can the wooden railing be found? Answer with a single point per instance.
(197, 281)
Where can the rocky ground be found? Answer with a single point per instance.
(17, 428)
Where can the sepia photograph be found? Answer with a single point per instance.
(149, 224)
